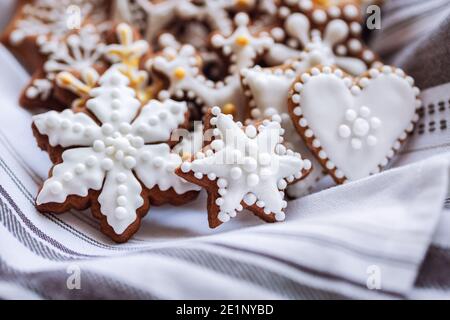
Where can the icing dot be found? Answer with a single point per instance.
(242, 40)
(371, 140)
(280, 216)
(99, 146)
(77, 128)
(186, 167)
(122, 200)
(282, 184)
(298, 111)
(125, 128)
(152, 120)
(65, 124)
(107, 164)
(91, 161)
(322, 154)
(260, 203)
(222, 183)
(249, 199)
(80, 168)
(122, 189)
(250, 164)
(350, 115)
(67, 176)
(250, 131)
(364, 111)
(116, 104)
(217, 144)
(264, 159)
(107, 129)
(319, 16)
(375, 123)
(223, 217)
(361, 127)
(303, 122)
(56, 188)
(163, 115)
(307, 164)
(121, 177)
(298, 86)
(198, 175)
(329, 165)
(120, 213)
(179, 73)
(344, 132)
(115, 93)
(356, 143)
(339, 174)
(158, 162)
(308, 133)
(235, 173)
(252, 180)
(220, 201)
(316, 143)
(350, 11)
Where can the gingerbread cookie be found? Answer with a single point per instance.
(267, 91)
(41, 37)
(113, 157)
(181, 69)
(332, 33)
(354, 126)
(244, 167)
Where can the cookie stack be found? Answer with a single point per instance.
(255, 101)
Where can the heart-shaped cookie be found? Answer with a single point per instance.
(354, 126)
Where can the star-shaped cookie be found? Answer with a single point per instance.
(244, 167)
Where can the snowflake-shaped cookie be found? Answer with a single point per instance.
(77, 52)
(360, 127)
(114, 156)
(333, 40)
(244, 168)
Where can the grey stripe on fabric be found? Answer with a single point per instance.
(343, 247)
(53, 285)
(314, 272)
(249, 272)
(435, 269)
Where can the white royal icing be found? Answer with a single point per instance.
(128, 145)
(78, 51)
(267, 90)
(317, 48)
(356, 128)
(181, 67)
(249, 166)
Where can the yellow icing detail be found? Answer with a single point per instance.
(241, 3)
(242, 41)
(229, 108)
(323, 3)
(179, 73)
(185, 156)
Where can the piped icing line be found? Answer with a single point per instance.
(117, 150)
(244, 167)
(336, 38)
(76, 52)
(267, 91)
(182, 69)
(367, 134)
(127, 56)
(153, 18)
